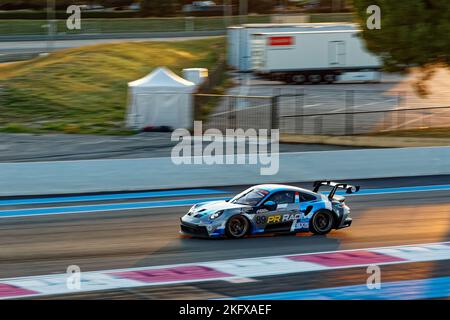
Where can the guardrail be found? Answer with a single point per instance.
(85, 176)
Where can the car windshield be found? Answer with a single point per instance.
(250, 198)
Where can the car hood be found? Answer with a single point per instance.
(206, 208)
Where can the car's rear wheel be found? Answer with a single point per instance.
(236, 227)
(322, 222)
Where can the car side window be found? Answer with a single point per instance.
(304, 197)
(282, 197)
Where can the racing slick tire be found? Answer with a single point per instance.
(322, 222)
(237, 227)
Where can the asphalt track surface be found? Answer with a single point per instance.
(149, 237)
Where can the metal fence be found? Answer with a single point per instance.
(123, 25)
(310, 113)
(298, 111)
(366, 122)
(236, 112)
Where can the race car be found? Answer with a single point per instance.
(271, 208)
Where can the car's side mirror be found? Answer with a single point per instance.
(308, 210)
(270, 205)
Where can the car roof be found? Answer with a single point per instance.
(281, 187)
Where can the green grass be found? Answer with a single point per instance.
(331, 17)
(36, 27)
(84, 90)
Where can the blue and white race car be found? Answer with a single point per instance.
(271, 208)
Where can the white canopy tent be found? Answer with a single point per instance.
(160, 99)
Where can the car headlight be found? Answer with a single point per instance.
(215, 215)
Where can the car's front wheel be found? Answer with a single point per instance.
(322, 222)
(236, 227)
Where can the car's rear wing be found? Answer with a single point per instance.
(335, 185)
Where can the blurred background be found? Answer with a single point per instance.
(81, 87)
(108, 80)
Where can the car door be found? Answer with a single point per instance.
(281, 219)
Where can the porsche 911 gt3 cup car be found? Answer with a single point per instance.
(270, 208)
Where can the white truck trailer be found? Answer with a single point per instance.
(313, 56)
(240, 37)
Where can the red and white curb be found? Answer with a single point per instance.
(228, 270)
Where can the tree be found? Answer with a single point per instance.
(413, 33)
(260, 6)
(158, 8)
(254, 6)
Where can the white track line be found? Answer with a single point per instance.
(226, 270)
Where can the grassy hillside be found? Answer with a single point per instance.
(84, 90)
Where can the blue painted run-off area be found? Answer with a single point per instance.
(101, 207)
(106, 197)
(400, 290)
(153, 204)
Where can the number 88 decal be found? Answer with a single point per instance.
(261, 219)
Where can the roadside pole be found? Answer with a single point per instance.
(51, 24)
(243, 11)
(227, 13)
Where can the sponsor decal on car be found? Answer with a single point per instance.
(302, 225)
(290, 217)
(274, 219)
(281, 218)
